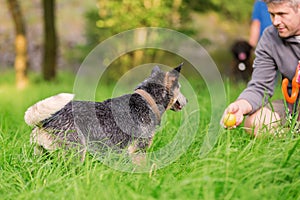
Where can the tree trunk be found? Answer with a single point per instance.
(50, 40)
(140, 38)
(175, 13)
(21, 60)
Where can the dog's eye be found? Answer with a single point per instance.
(176, 85)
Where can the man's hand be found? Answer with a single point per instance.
(238, 108)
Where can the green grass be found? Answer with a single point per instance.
(238, 166)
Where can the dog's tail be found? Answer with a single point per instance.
(45, 108)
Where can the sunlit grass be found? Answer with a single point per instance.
(238, 166)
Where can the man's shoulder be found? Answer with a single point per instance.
(270, 33)
(271, 30)
(269, 40)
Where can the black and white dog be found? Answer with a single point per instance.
(126, 122)
(241, 68)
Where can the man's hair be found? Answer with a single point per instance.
(292, 2)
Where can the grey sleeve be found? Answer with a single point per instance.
(261, 86)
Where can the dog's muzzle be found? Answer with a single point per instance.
(180, 103)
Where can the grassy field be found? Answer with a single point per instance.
(238, 166)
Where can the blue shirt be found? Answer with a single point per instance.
(260, 12)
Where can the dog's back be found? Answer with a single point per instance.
(114, 122)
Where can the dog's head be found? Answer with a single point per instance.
(164, 87)
(241, 50)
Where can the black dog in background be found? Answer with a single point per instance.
(241, 68)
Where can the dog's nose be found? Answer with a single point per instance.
(182, 100)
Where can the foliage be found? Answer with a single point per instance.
(113, 17)
(118, 16)
(229, 9)
(121, 15)
(238, 167)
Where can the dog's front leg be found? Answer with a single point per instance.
(137, 156)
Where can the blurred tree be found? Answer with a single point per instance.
(116, 16)
(21, 60)
(50, 40)
(240, 11)
(121, 15)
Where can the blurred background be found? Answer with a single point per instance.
(47, 37)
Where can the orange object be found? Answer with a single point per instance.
(229, 120)
(295, 87)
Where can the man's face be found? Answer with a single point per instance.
(285, 18)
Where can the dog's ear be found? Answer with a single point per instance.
(179, 67)
(176, 70)
(155, 70)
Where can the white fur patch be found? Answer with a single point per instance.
(43, 138)
(181, 99)
(45, 108)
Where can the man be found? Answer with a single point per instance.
(278, 50)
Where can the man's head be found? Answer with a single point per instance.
(285, 16)
(293, 2)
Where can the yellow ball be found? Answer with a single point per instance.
(229, 120)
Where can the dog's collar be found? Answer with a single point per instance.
(150, 101)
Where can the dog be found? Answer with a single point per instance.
(125, 123)
(242, 63)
